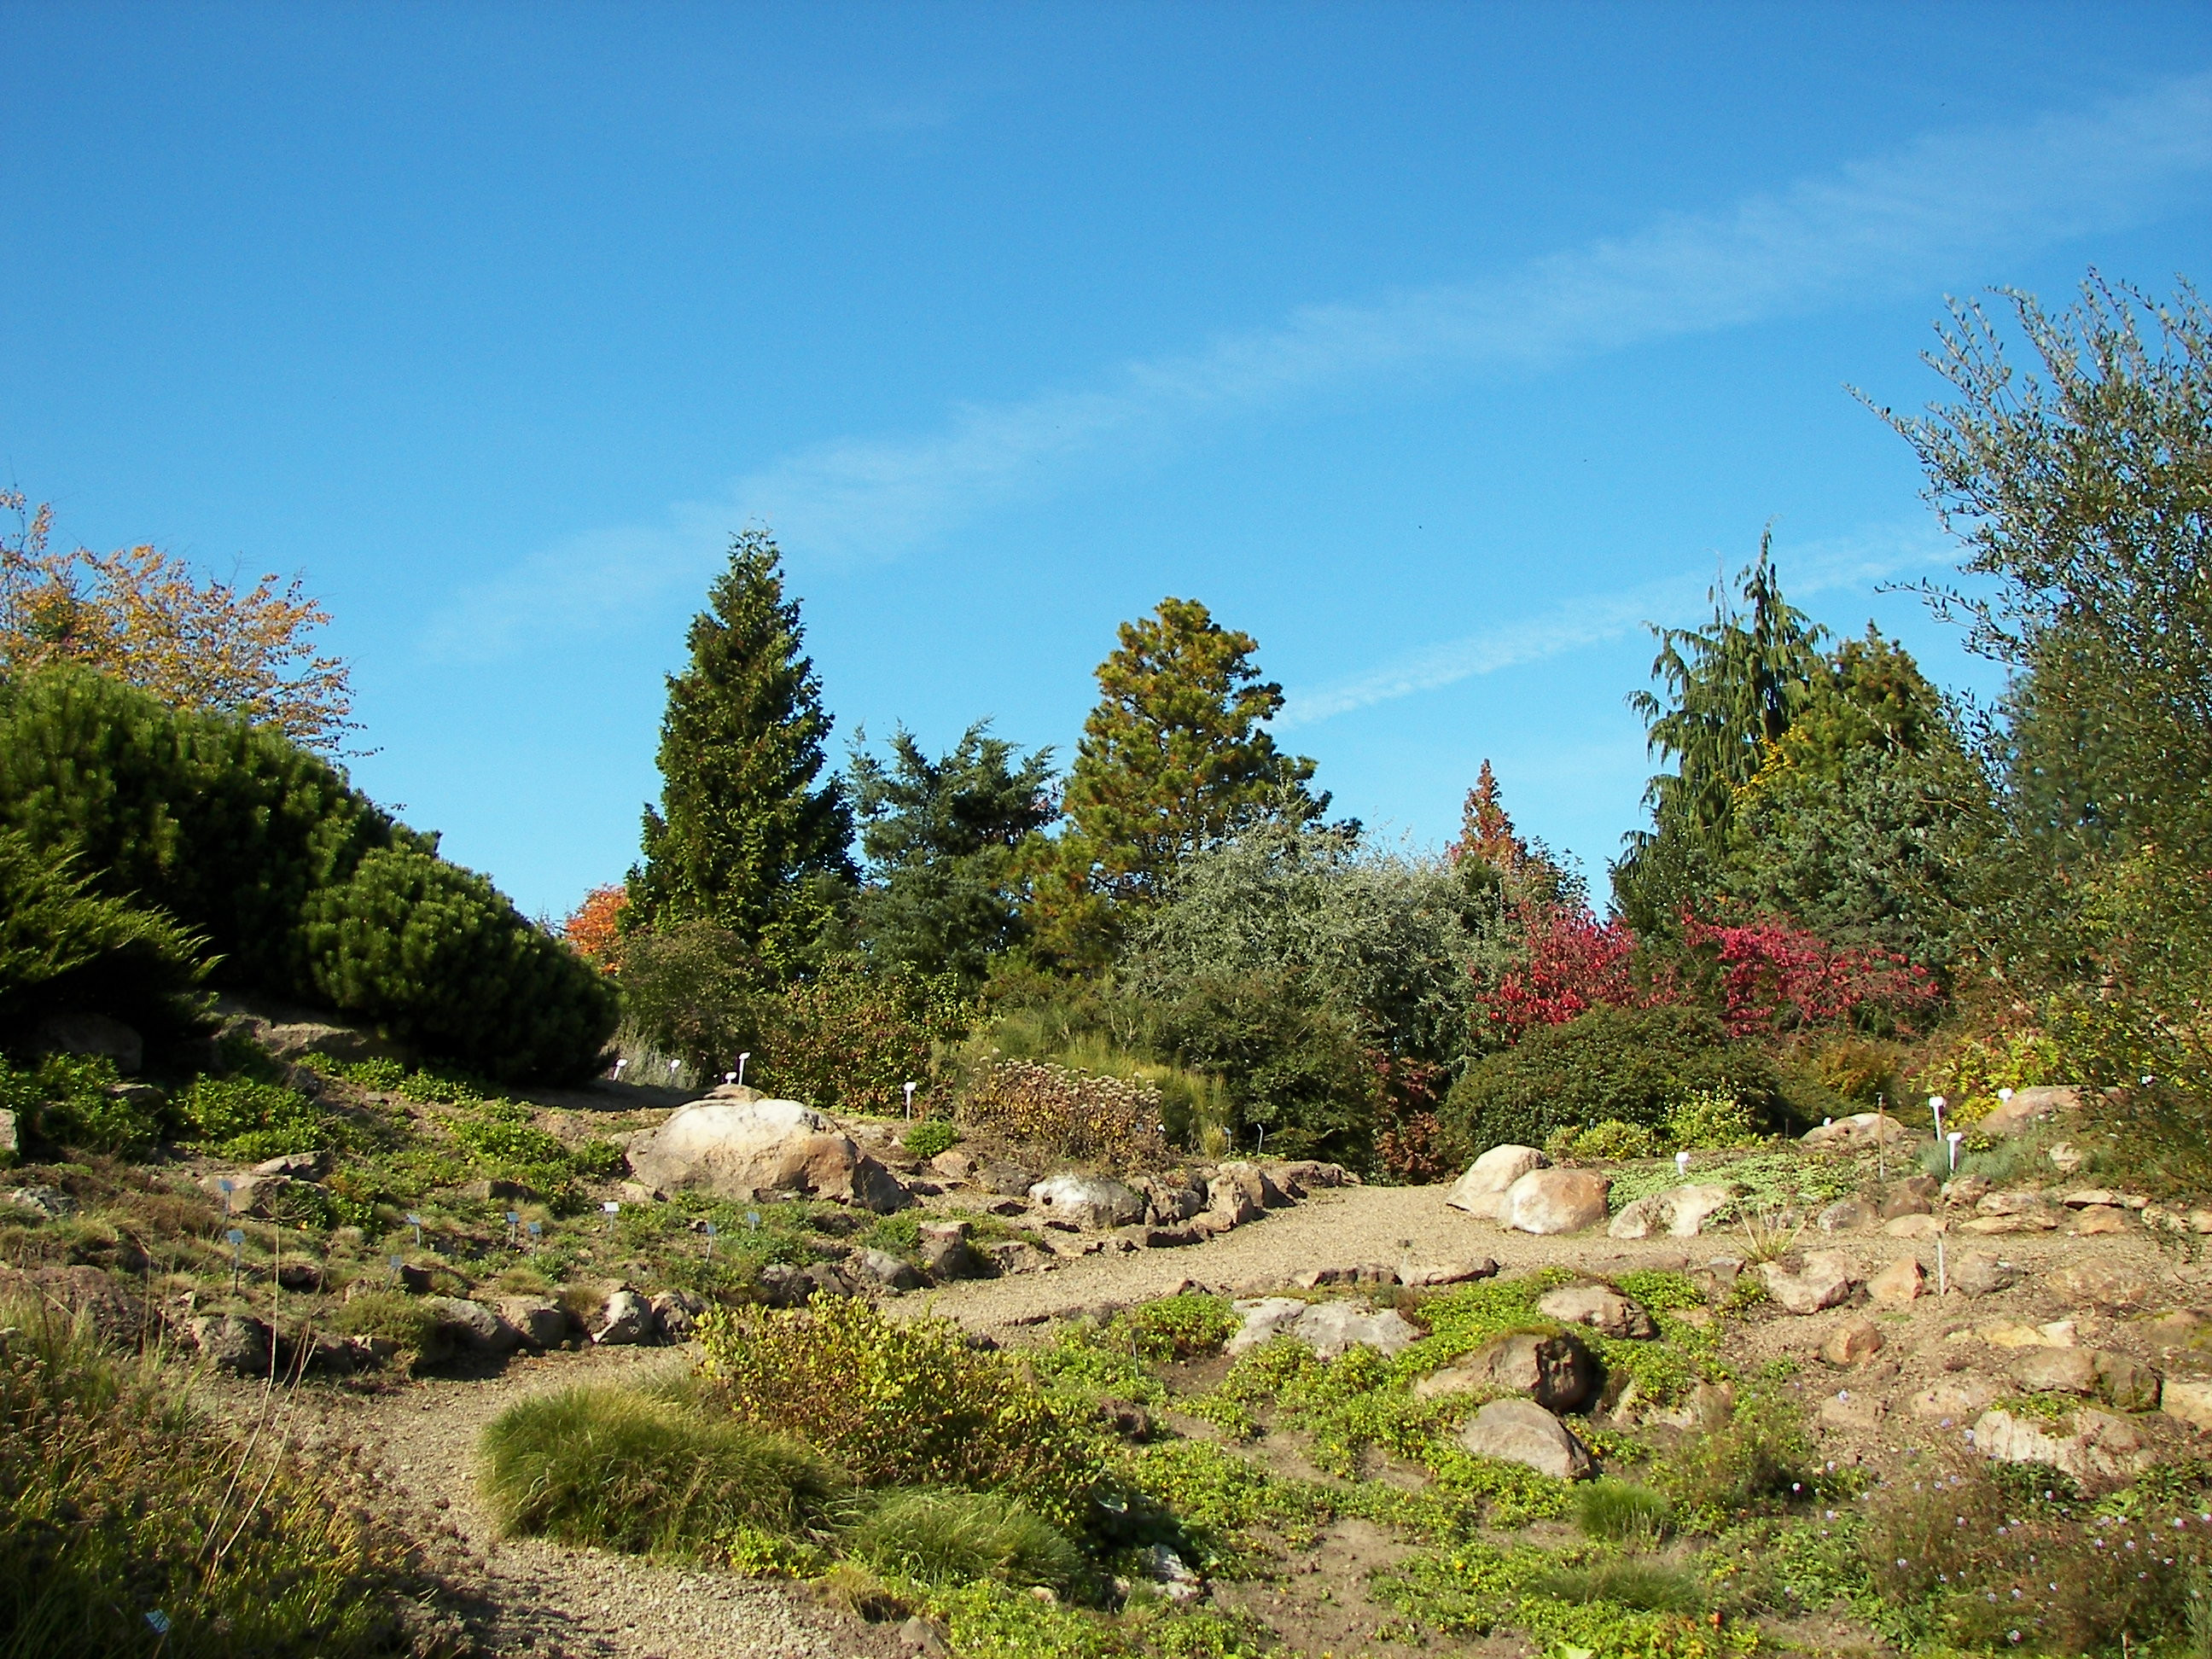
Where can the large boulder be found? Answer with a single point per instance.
(1522, 1431)
(1093, 1202)
(2028, 1106)
(1258, 1185)
(1549, 1367)
(474, 1328)
(746, 1149)
(626, 1319)
(1489, 1175)
(1554, 1201)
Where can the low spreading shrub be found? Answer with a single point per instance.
(440, 957)
(620, 1468)
(931, 1136)
(1076, 1114)
(1629, 1064)
(247, 1120)
(944, 1537)
(1759, 1459)
(122, 1503)
(904, 1402)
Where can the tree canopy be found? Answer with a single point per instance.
(745, 837)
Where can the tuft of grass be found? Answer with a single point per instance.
(1645, 1586)
(624, 1469)
(1623, 1512)
(946, 1537)
(388, 1314)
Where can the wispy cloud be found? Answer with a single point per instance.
(1930, 211)
(1808, 569)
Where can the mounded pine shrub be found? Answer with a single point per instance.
(439, 956)
(1628, 1066)
(226, 827)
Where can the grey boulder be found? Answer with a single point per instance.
(1551, 1368)
(1522, 1431)
(1095, 1203)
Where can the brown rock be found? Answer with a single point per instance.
(1486, 1179)
(1897, 1283)
(1601, 1307)
(1846, 1215)
(1852, 1341)
(1522, 1431)
(953, 1165)
(2055, 1371)
(1914, 1195)
(2127, 1384)
(1553, 1369)
(2027, 1106)
(1976, 1272)
(1914, 1225)
(1824, 1279)
(2098, 1283)
(2098, 1219)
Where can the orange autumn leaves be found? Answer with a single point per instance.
(594, 930)
(140, 616)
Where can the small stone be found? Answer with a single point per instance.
(1522, 1431)
(1005, 1179)
(1965, 1190)
(676, 1312)
(474, 1327)
(1918, 1224)
(1846, 1215)
(48, 1201)
(1914, 1195)
(233, 1343)
(1459, 1272)
(1852, 1341)
(1976, 1272)
(2088, 1197)
(1601, 1307)
(955, 1166)
(626, 1320)
(1861, 1131)
(2113, 1285)
(2188, 1401)
(542, 1321)
(882, 1267)
(2055, 1371)
(2098, 1219)
(1899, 1283)
(2127, 1384)
(1016, 1255)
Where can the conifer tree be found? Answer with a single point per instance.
(743, 838)
(1175, 757)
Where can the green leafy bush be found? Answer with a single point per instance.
(931, 1136)
(904, 1402)
(248, 1121)
(66, 1099)
(1609, 1141)
(1711, 1120)
(1630, 1065)
(440, 957)
(849, 1039)
(955, 1537)
(619, 1468)
(115, 1488)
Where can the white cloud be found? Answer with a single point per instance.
(1926, 213)
(1808, 570)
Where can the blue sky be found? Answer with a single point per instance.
(1438, 347)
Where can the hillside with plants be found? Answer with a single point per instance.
(1130, 1209)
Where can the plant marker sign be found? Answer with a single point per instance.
(710, 1240)
(611, 1208)
(226, 1187)
(415, 1222)
(1954, 1137)
(742, 1059)
(398, 1262)
(237, 1247)
(1935, 1104)
(910, 1100)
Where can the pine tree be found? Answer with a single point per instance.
(743, 838)
(1175, 757)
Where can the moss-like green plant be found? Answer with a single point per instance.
(933, 1135)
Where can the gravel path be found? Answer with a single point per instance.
(551, 1599)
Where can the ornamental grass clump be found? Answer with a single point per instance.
(903, 1403)
(1622, 1512)
(627, 1470)
(944, 1537)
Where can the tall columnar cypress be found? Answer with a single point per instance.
(743, 837)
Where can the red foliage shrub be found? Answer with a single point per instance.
(1574, 963)
(1769, 974)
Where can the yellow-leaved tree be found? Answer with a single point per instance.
(141, 616)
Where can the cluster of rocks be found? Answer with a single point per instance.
(739, 1144)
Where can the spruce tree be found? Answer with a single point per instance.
(743, 838)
